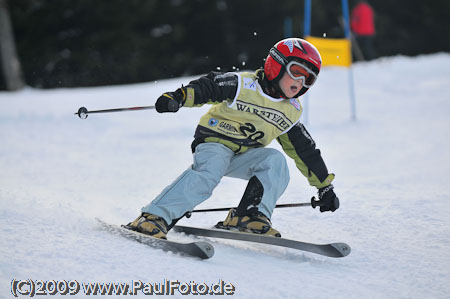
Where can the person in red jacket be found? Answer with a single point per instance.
(363, 27)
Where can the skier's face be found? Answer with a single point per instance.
(289, 86)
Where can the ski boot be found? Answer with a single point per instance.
(253, 222)
(149, 224)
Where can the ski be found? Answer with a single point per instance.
(329, 250)
(202, 250)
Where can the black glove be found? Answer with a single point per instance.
(327, 199)
(171, 101)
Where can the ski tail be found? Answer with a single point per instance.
(202, 250)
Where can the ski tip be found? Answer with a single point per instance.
(342, 249)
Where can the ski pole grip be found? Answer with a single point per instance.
(315, 203)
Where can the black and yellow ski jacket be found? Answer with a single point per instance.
(245, 116)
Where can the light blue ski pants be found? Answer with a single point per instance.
(212, 161)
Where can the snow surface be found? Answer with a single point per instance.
(392, 176)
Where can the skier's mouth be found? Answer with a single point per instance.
(294, 89)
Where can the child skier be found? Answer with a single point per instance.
(249, 111)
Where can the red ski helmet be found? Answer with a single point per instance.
(287, 50)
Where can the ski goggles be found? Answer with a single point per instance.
(300, 71)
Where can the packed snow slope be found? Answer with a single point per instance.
(392, 165)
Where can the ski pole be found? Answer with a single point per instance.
(313, 204)
(83, 112)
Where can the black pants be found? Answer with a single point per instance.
(366, 44)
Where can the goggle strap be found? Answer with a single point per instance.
(278, 56)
